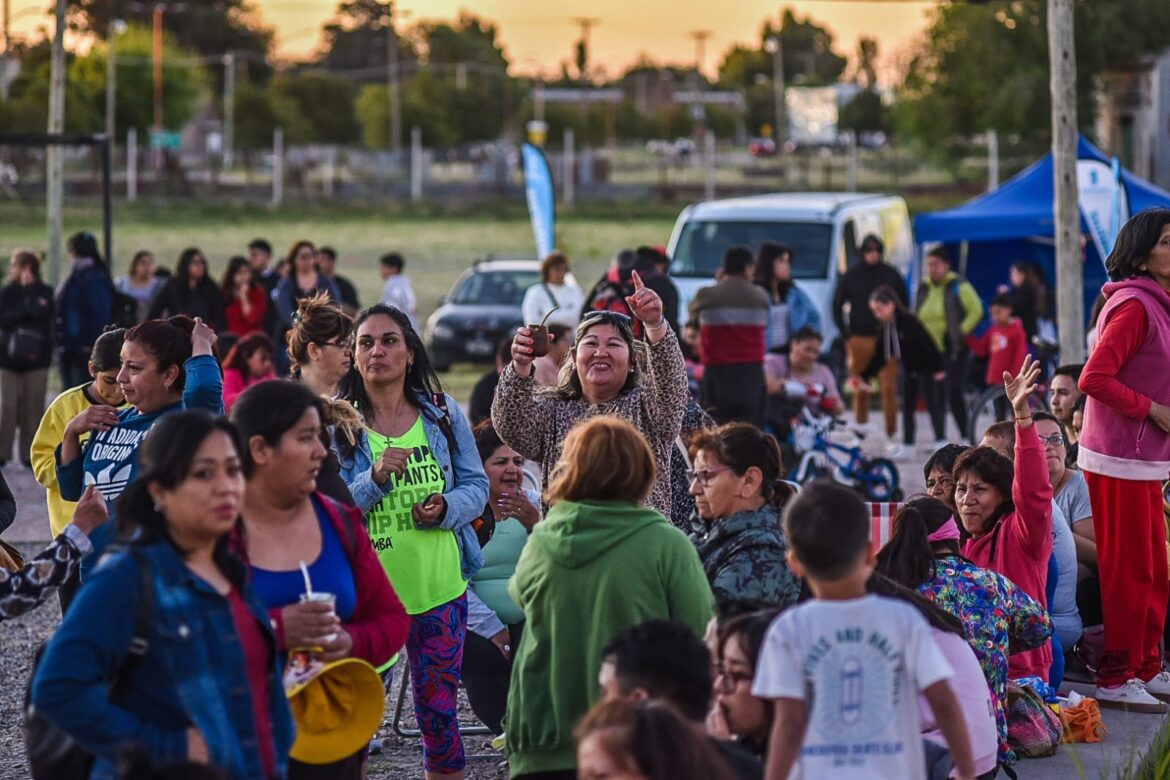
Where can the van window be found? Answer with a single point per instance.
(702, 244)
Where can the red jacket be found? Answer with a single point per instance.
(1020, 543)
(380, 622)
(1005, 347)
(242, 325)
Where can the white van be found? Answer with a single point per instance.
(824, 230)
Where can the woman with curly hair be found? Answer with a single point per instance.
(320, 344)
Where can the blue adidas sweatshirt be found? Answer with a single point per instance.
(110, 459)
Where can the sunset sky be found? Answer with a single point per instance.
(538, 37)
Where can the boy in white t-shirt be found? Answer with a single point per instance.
(846, 668)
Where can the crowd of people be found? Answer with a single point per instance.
(603, 551)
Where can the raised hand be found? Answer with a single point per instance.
(1019, 387)
(645, 304)
(202, 338)
(522, 352)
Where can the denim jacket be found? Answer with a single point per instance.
(192, 674)
(466, 490)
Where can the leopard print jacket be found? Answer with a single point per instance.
(534, 422)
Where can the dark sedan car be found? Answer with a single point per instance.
(482, 308)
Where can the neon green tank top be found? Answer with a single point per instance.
(423, 565)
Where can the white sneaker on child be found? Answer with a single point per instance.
(1131, 695)
(1159, 685)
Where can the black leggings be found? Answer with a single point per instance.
(933, 392)
(486, 674)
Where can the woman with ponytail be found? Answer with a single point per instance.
(739, 494)
(167, 366)
(998, 617)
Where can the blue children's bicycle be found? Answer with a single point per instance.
(876, 479)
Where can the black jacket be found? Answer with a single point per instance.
(918, 352)
(855, 287)
(30, 307)
(177, 297)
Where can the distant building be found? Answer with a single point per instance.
(1133, 117)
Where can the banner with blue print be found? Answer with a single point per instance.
(538, 189)
(1103, 202)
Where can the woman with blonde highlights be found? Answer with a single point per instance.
(598, 553)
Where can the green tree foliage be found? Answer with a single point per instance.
(459, 91)
(258, 113)
(807, 60)
(184, 84)
(315, 108)
(209, 27)
(356, 42)
(982, 67)
(864, 113)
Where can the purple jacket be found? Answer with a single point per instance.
(1111, 443)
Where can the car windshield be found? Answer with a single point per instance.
(503, 287)
(702, 244)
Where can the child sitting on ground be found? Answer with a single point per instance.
(845, 669)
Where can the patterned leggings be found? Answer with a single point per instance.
(435, 648)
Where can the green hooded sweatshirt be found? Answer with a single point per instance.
(590, 570)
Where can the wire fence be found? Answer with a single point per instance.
(665, 171)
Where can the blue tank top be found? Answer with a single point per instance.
(331, 573)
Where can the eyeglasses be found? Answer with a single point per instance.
(613, 317)
(1055, 440)
(726, 680)
(704, 476)
(343, 345)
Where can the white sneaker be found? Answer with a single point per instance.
(895, 450)
(1159, 685)
(1131, 696)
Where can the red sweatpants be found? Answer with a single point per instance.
(1131, 559)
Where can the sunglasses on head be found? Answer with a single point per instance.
(612, 317)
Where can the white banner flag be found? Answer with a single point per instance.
(1102, 201)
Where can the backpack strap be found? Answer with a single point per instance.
(552, 298)
(139, 643)
(439, 399)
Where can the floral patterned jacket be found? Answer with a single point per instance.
(999, 619)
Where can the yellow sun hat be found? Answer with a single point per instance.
(337, 711)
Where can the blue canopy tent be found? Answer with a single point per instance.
(984, 236)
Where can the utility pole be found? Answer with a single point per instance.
(117, 27)
(157, 61)
(229, 109)
(55, 161)
(700, 37)
(1070, 301)
(586, 23)
(392, 80)
(775, 47)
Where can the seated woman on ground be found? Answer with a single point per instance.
(999, 618)
(494, 621)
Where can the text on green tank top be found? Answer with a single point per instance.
(423, 565)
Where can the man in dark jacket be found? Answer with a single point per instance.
(651, 265)
(861, 330)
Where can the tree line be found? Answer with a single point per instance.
(976, 67)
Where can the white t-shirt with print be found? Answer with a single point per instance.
(859, 666)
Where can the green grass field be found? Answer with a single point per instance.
(436, 248)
